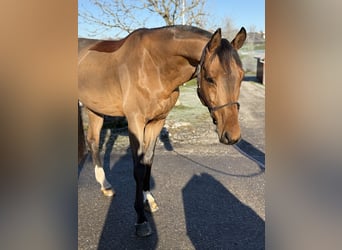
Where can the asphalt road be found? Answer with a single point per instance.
(210, 196)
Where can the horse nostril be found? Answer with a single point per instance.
(227, 139)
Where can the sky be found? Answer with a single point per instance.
(245, 13)
(242, 12)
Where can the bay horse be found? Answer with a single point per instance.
(139, 77)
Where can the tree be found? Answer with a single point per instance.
(126, 16)
(229, 30)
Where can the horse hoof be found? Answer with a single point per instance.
(143, 230)
(108, 192)
(151, 206)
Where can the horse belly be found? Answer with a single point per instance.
(102, 103)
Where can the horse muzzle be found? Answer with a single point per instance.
(227, 139)
(228, 133)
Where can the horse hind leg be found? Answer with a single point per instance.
(81, 138)
(93, 138)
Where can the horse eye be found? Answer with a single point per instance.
(209, 79)
(214, 121)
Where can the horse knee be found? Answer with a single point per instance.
(148, 161)
(148, 158)
(145, 159)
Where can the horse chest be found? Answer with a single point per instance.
(160, 108)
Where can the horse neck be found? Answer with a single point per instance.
(192, 50)
(186, 58)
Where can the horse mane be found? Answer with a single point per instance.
(225, 51)
(187, 31)
(180, 31)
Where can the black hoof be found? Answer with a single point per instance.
(143, 230)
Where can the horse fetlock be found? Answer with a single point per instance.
(145, 159)
(150, 204)
(100, 176)
(108, 192)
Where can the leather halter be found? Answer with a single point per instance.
(203, 100)
(212, 109)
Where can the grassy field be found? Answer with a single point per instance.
(247, 53)
(250, 47)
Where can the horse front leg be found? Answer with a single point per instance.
(142, 226)
(150, 203)
(142, 144)
(93, 138)
(152, 131)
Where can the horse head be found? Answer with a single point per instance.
(219, 80)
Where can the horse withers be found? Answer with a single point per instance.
(138, 77)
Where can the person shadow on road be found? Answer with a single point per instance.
(216, 219)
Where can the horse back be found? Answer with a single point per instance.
(86, 42)
(98, 77)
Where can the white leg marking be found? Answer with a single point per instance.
(153, 207)
(101, 178)
(148, 196)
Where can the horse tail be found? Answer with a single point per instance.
(81, 138)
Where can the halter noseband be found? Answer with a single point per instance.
(215, 108)
(212, 109)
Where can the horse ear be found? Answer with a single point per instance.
(215, 40)
(239, 39)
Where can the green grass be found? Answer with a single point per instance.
(192, 82)
(182, 107)
(259, 46)
(250, 47)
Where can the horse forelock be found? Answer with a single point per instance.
(226, 53)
